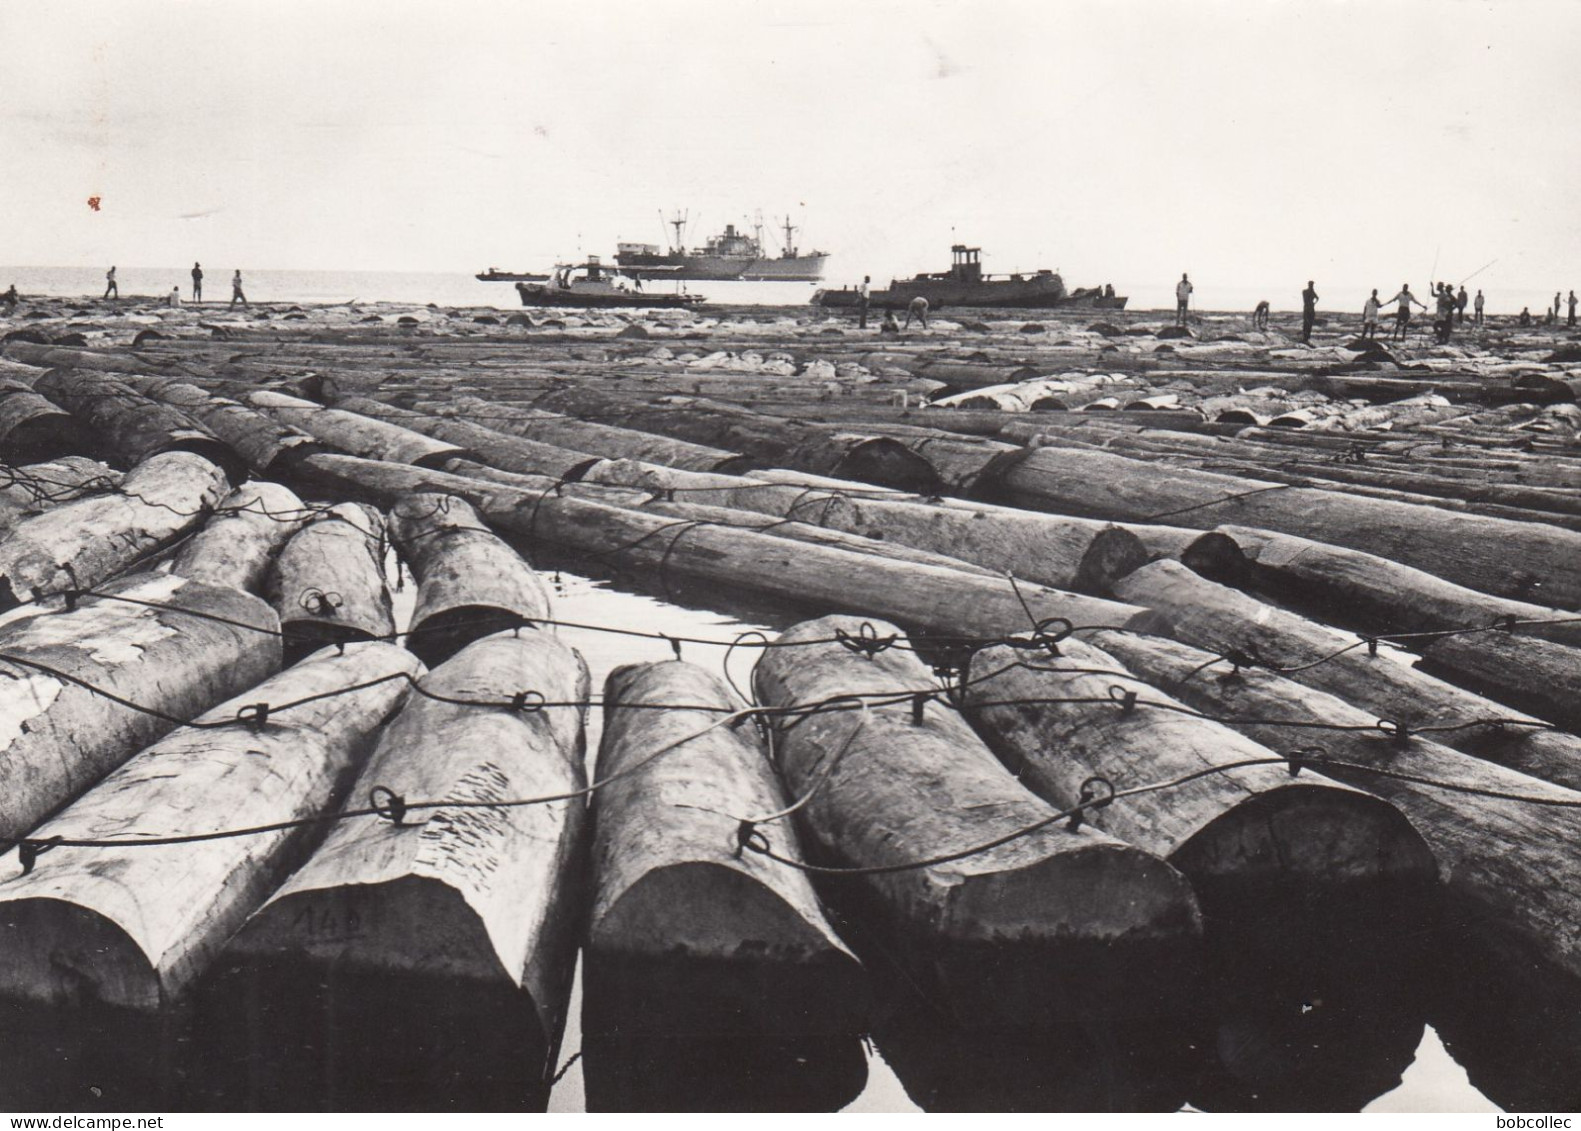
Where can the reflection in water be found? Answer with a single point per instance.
(1512, 1020)
(85, 1057)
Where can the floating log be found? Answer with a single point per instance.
(171, 645)
(687, 935)
(79, 544)
(1230, 623)
(50, 357)
(34, 428)
(1470, 550)
(41, 486)
(353, 433)
(1258, 845)
(766, 439)
(130, 427)
(1085, 555)
(1372, 593)
(563, 431)
(108, 939)
(470, 583)
(1536, 676)
(995, 932)
(427, 966)
(1347, 386)
(970, 374)
(327, 582)
(260, 440)
(945, 602)
(1499, 859)
(497, 449)
(239, 541)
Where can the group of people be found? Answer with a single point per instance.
(112, 288)
(1450, 308)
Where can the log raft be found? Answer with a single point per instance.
(470, 582)
(1258, 846)
(426, 966)
(994, 933)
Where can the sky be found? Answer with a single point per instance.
(1254, 144)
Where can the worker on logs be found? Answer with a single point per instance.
(1260, 315)
(917, 308)
(1309, 299)
(1369, 316)
(1402, 315)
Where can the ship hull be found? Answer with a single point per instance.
(791, 269)
(535, 296)
(1009, 295)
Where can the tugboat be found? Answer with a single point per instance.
(731, 255)
(964, 284)
(592, 284)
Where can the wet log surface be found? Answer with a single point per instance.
(470, 582)
(327, 582)
(260, 440)
(81, 543)
(445, 944)
(888, 789)
(34, 428)
(354, 433)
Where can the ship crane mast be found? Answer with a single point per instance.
(679, 224)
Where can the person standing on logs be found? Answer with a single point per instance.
(1571, 321)
(236, 289)
(1460, 305)
(1260, 315)
(197, 282)
(1183, 291)
(862, 297)
(110, 287)
(1477, 308)
(1553, 315)
(1444, 320)
(1369, 316)
(11, 298)
(918, 308)
(1309, 299)
(1402, 314)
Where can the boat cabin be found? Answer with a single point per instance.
(966, 263)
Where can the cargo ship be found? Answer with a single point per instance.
(731, 255)
(964, 284)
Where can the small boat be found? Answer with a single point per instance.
(495, 275)
(964, 284)
(597, 285)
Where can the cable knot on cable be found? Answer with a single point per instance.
(1124, 696)
(1048, 632)
(319, 603)
(1395, 730)
(28, 851)
(528, 702)
(1239, 658)
(748, 837)
(866, 641)
(1088, 798)
(387, 804)
(255, 715)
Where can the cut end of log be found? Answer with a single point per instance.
(888, 463)
(1310, 851)
(1218, 557)
(1113, 553)
(60, 954)
(442, 635)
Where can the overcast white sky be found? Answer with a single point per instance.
(1252, 143)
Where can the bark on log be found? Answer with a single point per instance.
(353, 433)
(34, 428)
(944, 602)
(579, 435)
(766, 439)
(80, 544)
(130, 928)
(1045, 906)
(239, 541)
(260, 440)
(687, 935)
(166, 644)
(1499, 858)
(1258, 846)
(470, 582)
(1370, 593)
(1227, 622)
(327, 582)
(1536, 676)
(497, 449)
(1470, 550)
(130, 427)
(411, 968)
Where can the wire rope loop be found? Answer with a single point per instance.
(28, 851)
(528, 702)
(1050, 631)
(1124, 696)
(1395, 730)
(255, 715)
(748, 836)
(866, 641)
(387, 805)
(320, 603)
